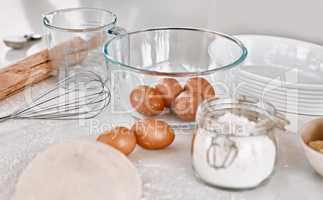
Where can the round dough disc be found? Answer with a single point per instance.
(79, 170)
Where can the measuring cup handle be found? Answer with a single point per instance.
(117, 30)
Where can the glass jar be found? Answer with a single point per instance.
(144, 58)
(234, 146)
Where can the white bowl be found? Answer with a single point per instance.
(313, 130)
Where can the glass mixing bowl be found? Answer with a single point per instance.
(144, 57)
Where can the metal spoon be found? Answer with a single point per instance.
(19, 42)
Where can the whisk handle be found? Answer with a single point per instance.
(5, 118)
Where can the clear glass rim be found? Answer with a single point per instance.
(240, 102)
(235, 63)
(48, 24)
(262, 105)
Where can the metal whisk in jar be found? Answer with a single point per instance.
(234, 146)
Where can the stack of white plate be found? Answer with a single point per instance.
(285, 72)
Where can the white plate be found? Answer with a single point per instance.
(244, 77)
(284, 102)
(286, 106)
(284, 71)
(291, 109)
(296, 64)
(291, 94)
(284, 99)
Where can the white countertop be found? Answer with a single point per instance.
(167, 174)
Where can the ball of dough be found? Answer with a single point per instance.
(79, 170)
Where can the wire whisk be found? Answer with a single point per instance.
(82, 95)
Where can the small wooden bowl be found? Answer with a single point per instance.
(312, 131)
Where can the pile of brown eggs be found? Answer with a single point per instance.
(168, 93)
(154, 134)
(151, 134)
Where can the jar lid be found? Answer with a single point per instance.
(263, 113)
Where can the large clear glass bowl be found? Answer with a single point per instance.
(144, 57)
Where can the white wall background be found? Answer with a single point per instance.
(301, 19)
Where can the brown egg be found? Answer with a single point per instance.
(147, 101)
(120, 138)
(169, 88)
(185, 105)
(153, 134)
(200, 85)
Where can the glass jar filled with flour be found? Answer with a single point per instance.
(234, 146)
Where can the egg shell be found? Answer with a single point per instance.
(153, 134)
(120, 138)
(169, 88)
(185, 105)
(200, 85)
(147, 100)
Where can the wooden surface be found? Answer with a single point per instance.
(23, 73)
(44, 64)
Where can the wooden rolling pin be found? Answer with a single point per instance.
(39, 66)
